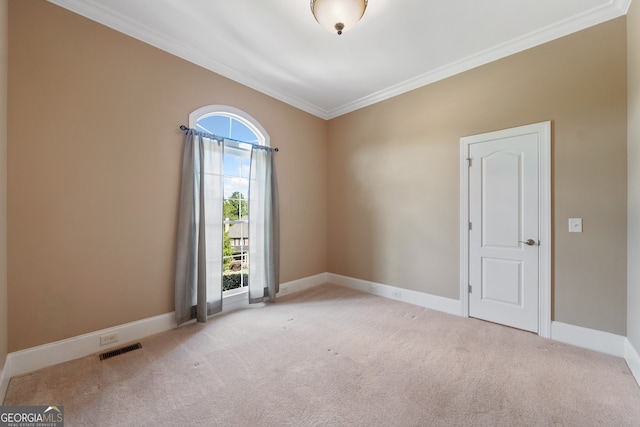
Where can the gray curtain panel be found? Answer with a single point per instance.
(198, 283)
(264, 227)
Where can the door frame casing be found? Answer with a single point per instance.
(543, 131)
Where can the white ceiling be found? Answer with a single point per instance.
(277, 47)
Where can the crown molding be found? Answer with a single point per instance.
(598, 15)
(622, 5)
(121, 23)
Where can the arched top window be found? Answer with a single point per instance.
(228, 122)
(240, 131)
(219, 175)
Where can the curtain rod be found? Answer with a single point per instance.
(185, 129)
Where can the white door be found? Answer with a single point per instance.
(504, 229)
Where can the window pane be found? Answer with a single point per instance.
(241, 132)
(217, 125)
(227, 127)
(236, 202)
(233, 187)
(245, 166)
(232, 165)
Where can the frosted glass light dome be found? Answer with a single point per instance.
(338, 15)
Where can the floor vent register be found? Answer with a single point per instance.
(119, 351)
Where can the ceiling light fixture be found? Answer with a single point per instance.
(338, 15)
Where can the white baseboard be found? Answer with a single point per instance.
(421, 299)
(32, 359)
(592, 339)
(302, 284)
(4, 380)
(240, 300)
(633, 359)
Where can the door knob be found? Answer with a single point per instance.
(529, 242)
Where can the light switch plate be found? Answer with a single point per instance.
(575, 225)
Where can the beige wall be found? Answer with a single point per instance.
(394, 176)
(94, 157)
(633, 79)
(3, 179)
(93, 175)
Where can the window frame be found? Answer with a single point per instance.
(262, 139)
(235, 113)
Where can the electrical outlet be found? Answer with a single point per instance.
(373, 289)
(109, 339)
(284, 290)
(396, 294)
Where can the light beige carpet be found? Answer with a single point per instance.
(331, 356)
